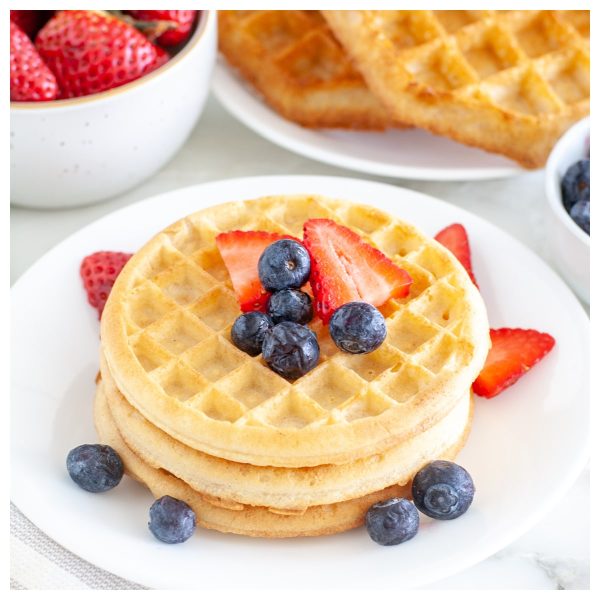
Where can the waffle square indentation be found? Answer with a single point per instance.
(330, 385)
(218, 309)
(184, 283)
(178, 331)
(214, 358)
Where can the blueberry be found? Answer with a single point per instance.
(575, 184)
(357, 327)
(580, 213)
(95, 467)
(392, 521)
(290, 305)
(284, 264)
(248, 331)
(290, 349)
(443, 490)
(171, 521)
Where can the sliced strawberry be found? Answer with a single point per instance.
(99, 272)
(344, 268)
(513, 353)
(240, 251)
(454, 237)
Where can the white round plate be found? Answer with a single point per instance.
(526, 448)
(408, 154)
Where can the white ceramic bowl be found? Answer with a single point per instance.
(569, 244)
(67, 153)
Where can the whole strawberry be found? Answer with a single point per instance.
(99, 272)
(91, 51)
(30, 78)
(182, 20)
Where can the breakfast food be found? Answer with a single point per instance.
(575, 188)
(509, 82)
(74, 53)
(95, 467)
(392, 521)
(295, 63)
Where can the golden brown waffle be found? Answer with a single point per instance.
(281, 488)
(506, 81)
(295, 63)
(166, 340)
(244, 520)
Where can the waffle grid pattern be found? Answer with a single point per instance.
(296, 63)
(182, 307)
(532, 65)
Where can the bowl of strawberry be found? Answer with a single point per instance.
(101, 100)
(568, 207)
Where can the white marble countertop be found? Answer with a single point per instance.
(552, 555)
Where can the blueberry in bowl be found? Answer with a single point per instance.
(392, 521)
(284, 264)
(443, 490)
(290, 305)
(575, 190)
(95, 467)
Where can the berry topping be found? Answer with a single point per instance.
(346, 269)
(248, 331)
(392, 521)
(580, 213)
(99, 272)
(290, 305)
(513, 353)
(284, 264)
(95, 467)
(443, 490)
(357, 327)
(290, 349)
(240, 251)
(454, 238)
(575, 184)
(30, 78)
(172, 521)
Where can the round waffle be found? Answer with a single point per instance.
(166, 339)
(281, 488)
(244, 520)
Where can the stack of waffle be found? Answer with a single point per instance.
(508, 82)
(195, 418)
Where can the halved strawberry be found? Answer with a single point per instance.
(240, 251)
(454, 237)
(345, 268)
(513, 353)
(99, 272)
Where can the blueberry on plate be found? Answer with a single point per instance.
(290, 305)
(248, 331)
(95, 467)
(580, 213)
(575, 184)
(284, 264)
(443, 490)
(357, 327)
(171, 521)
(392, 521)
(291, 349)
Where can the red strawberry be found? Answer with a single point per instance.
(454, 237)
(344, 268)
(513, 353)
(30, 21)
(240, 251)
(30, 78)
(99, 272)
(91, 51)
(182, 21)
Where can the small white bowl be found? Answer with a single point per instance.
(569, 244)
(67, 153)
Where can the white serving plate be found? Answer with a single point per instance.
(404, 154)
(526, 448)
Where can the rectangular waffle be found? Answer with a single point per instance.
(508, 82)
(293, 60)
